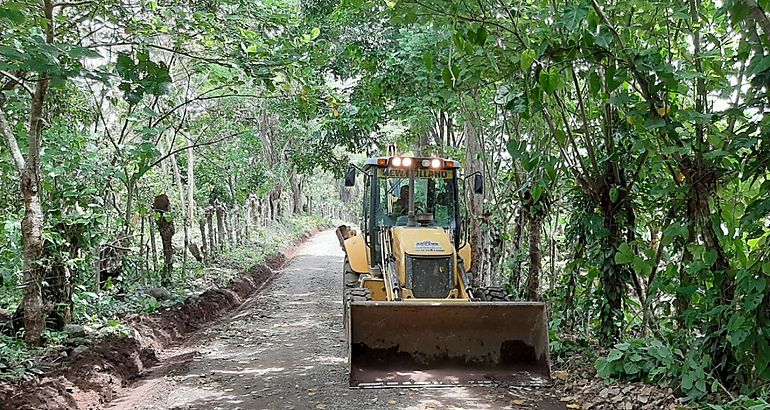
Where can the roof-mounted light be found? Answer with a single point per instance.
(435, 163)
(396, 162)
(383, 162)
(407, 162)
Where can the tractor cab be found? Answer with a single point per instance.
(409, 192)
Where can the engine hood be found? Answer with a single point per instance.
(421, 241)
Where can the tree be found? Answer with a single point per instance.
(31, 63)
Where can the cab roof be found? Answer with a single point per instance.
(385, 161)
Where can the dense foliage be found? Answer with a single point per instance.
(624, 145)
(145, 142)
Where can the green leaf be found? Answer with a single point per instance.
(673, 231)
(481, 36)
(515, 149)
(76, 53)
(758, 65)
(631, 368)
(642, 267)
(269, 84)
(427, 60)
(700, 385)
(537, 192)
(560, 136)
(603, 368)
(614, 355)
(574, 16)
(622, 98)
(614, 194)
(549, 80)
(687, 291)
(526, 60)
(550, 170)
(314, 33)
(710, 257)
(446, 74)
(14, 17)
(604, 38)
(624, 254)
(687, 381)
(124, 65)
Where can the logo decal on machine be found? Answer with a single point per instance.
(428, 246)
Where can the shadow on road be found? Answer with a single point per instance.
(286, 350)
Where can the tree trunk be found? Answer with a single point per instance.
(162, 206)
(229, 216)
(127, 225)
(153, 247)
(297, 182)
(212, 250)
(221, 232)
(473, 151)
(515, 278)
(142, 245)
(32, 231)
(611, 278)
(57, 291)
(190, 186)
(535, 264)
(185, 221)
(204, 242)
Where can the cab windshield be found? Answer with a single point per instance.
(433, 194)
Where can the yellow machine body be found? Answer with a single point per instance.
(358, 254)
(414, 320)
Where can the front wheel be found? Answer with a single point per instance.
(353, 295)
(493, 294)
(350, 279)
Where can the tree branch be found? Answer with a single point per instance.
(17, 81)
(73, 3)
(10, 140)
(197, 145)
(759, 16)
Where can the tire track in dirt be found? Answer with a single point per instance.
(285, 349)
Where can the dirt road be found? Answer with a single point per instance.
(285, 349)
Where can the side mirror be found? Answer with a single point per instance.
(478, 184)
(350, 177)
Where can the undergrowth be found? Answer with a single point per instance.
(105, 311)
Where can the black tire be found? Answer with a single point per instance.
(353, 295)
(493, 294)
(357, 295)
(349, 276)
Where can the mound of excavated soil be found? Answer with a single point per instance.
(89, 379)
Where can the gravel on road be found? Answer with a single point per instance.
(285, 349)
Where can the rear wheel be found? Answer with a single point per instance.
(493, 294)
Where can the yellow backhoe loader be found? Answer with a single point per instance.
(412, 317)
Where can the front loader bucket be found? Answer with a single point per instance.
(447, 343)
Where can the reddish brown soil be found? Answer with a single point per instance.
(93, 378)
